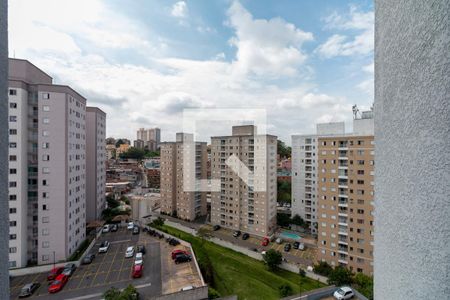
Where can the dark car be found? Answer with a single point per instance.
(174, 242)
(29, 289)
(69, 269)
(114, 228)
(181, 258)
(296, 245)
(54, 273)
(236, 233)
(245, 236)
(140, 248)
(287, 247)
(136, 230)
(216, 227)
(88, 259)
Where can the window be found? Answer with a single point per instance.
(13, 210)
(45, 133)
(12, 249)
(13, 118)
(45, 157)
(13, 105)
(45, 231)
(46, 170)
(12, 184)
(44, 182)
(46, 108)
(12, 223)
(360, 162)
(46, 120)
(13, 236)
(12, 171)
(12, 197)
(45, 145)
(12, 145)
(360, 152)
(45, 244)
(46, 96)
(12, 92)
(45, 195)
(45, 219)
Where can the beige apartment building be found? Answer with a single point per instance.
(240, 206)
(345, 198)
(175, 198)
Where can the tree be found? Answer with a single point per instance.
(297, 220)
(273, 259)
(212, 293)
(340, 276)
(285, 290)
(283, 150)
(157, 222)
(119, 142)
(283, 220)
(133, 153)
(364, 284)
(323, 268)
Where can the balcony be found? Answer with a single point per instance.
(308, 169)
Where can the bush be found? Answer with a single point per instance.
(285, 290)
(159, 222)
(323, 268)
(302, 273)
(212, 293)
(129, 293)
(283, 220)
(273, 259)
(340, 276)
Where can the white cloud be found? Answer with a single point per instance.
(266, 47)
(361, 43)
(179, 9)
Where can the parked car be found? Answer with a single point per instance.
(182, 258)
(237, 233)
(301, 247)
(54, 273)
(58, 283)
(136, 230)
(139, 259)
(216, 227)
(287, 247)
(104, 247)
(265, 242)
(69, 269)
(177, 252)
(187, 288)
(343, 293)
(130, 226)
(28, 289)
(105, 228)
(137, 270)
(296, 245)
(129, 252)
(279, 240)
(140, 249)
(174, 242)
(88, 259)
(114, 228)
(245, 236)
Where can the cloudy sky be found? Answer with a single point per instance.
(144, 61)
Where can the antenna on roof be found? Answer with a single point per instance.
(355, 111)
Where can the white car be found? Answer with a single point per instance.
(130, 226)
(279, 240)
(301, 246)
(130, 252)
(344, 293)
(104, 247)
(139, 260)
(105, 228)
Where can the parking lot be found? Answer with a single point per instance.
(106, 270)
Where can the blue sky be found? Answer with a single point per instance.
(143, 61)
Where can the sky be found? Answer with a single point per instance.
(144, 61)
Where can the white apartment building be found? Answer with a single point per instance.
(305, 171)
(151, 137)
(239, 206)
(95, 163)
(47, 165)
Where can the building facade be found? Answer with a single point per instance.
(175, 200)
(239, 206)
(47, 166)
(345, 198)
(304, 173)
(151, 137)
(95, 163)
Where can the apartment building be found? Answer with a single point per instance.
(240, 206)
(187, 205)
(95, 163)
(110, 151)
(304, 171)
(47, 166)
(151, 137)
(345, 197)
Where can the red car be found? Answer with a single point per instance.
(58, 283)
(178, 251)
(137, 271)
(265, 242)
(54, 273)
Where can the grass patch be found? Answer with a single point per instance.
(237, 274)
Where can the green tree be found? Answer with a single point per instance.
(364, 284)
(285, 290)
(297, 220)
(119, 142)
(283, 150)
(273, 259)
(150, 154)
(283, 220)
(340, 276)
(133, 153)
(212, 293)
(323, 268)
(112, 294)
(158, 222)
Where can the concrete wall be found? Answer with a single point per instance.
(412, 140)
(4, 228)
(195, 294)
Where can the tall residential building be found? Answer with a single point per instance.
(95, 163)
(304, 171)
(345, 197)
(139, 144)
(47, 166)
(151, 137)
(188, 205)
(239, 206)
